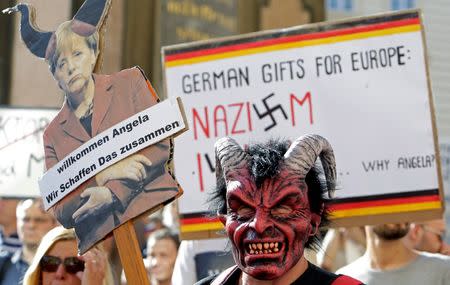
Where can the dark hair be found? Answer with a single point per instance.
(264, 164)
(165, 234)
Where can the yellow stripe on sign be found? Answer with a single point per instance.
(385, 210)
(201, 227)
(284, 46)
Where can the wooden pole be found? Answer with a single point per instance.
(130, 254)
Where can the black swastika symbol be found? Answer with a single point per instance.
(269, 112)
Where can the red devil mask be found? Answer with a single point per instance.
(270, 221)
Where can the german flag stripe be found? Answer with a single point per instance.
(402, 208)
(385, 202)
(188, 221)
(201, 227)
(295, 41)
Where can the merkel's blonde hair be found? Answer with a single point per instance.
(33, 274)
(64, 36)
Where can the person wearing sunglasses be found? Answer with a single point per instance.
(56, 261)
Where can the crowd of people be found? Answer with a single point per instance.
(35, 249)
(270, 197)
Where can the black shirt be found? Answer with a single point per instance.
(312, 275)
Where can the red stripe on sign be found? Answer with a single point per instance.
(295, 38)
(190, 221)
(200, 172)
(386, 202)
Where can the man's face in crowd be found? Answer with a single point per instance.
(269, 226)
(391, 231)
(33, 222)
(432, 236)
(8, 211)
(161, 255)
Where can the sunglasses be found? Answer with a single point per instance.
(71, 264)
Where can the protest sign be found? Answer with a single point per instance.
(110, 146)
(22, 150)
(361, 83)
(108, 150)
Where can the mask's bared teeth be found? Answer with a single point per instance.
(264, 248)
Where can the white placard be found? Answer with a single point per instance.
(364, 90)
(22, 150)
(123, 139)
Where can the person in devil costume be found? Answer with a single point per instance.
(269, 198)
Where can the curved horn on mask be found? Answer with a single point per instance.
(91, 13)
(229, 157)
(35, 39)
(303, 153)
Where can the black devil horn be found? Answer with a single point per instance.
(35, 39)
(92, 12)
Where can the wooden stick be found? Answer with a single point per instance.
(130, 254)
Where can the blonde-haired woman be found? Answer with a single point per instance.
(56, 260)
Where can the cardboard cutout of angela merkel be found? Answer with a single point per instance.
(93, 104)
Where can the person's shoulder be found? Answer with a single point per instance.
(346, 280)
(60, 117)
(435, 259)
(318, 275)
(51, 126)
(5, 256)
(435, 265)
(434, 256)
(130, 73)
(228, 276)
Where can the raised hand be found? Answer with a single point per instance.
(95, 263)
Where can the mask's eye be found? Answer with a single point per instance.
(245, 212)
(281, 210)
(77, 53)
